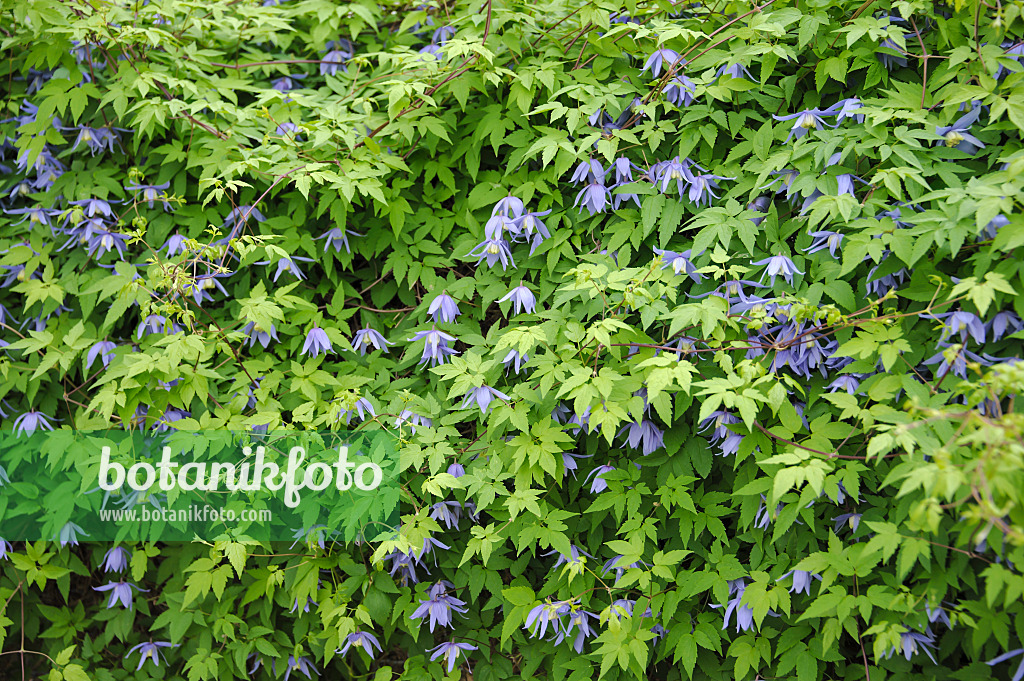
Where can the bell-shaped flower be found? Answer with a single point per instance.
(317, 343)
(661, 57)
(364, 338)
(522, 298)
(444, 308)
(483, 396)
(958, 134)
(776, 265)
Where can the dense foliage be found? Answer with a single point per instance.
(698, 324)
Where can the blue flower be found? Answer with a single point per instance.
(444, 308)
(149, 650)
(256, 334)
(413, 420)
(5, 548)
(362, 407)
(596, 198)
(802, 581)
(590, 172)
(735, 71)
(580, 620)
(661, 56)
(1017, 675)
(364, 338)
(439, 605)
(451, 652)
(120, 591)
(721, 420)
(540, 616)
(643, 433)
(702, 186)
(805, 121)
(913, 642)
(493, 250)
(30, 422)
(116, 559)
(599, 484)
(776, 265)
(846, 109)
(509, 207)
(435, 346)
(533, 229)
(680, 91)
(301, 664)
(362, 639)
(483, 396)
(334, 60)
(152, 193)
(317, 342)
(287, 265)
(522, 299)
(516, 360)
(825, 239)
(957, 135)
(890, 61)
(337, 238)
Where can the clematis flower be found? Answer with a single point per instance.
(334, 60)
(336, 238)
(736, 70)
(509, 207)
(439, 605)
(643, 434)
(661, 57)
(702, 187)
(680, 90)
(413, 420)
(847, 109)
(599, 484)
(522, 299)
(802, 581)
(1003, 322)
(361, 639)
(483, 396)
(596, 198)
(120, 591)
(5, 548)
(1008, 655)
(805, 121)
(435, 346)
(590, 172)
(493, 250)
(579, 619)
(30, 422)
(540, 616)
(362, 408)
(444, 308)
(364, 338)
(890, 61)
(958, 134)
(825, 239)
(516, 360)
(150, 650)
(451, 652)
(288, 265)
(913, 642)
(257, 334)
(152, 193)
(316, 343)
(300, 664)
(116, 559)
(776, 265)
(533, 229)
(680, 263)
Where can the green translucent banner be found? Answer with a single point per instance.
(66, 485)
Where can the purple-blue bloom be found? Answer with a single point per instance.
(516, 360)
(680, 263)
(776, 265)
(317, 342)
(913, 642)
(444, 308)
(522, 299)
(483, 396)
(439, 605)
(301, 664)
(116, 559)
(149, 650)
(805, 121)
(494, 250)
(435, 346)
(802, 581)
(680, 90)
(362, 639)
(957, 135)
(30, 422)
(599, 484)
(413, 420)
(825, 239)
(1017, 675)
(256, 334)
(120, 591)
(661, 56)
(364, 338)
(451, 652)
(336, 238)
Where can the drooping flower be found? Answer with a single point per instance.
(317, 342)
(533, 229)
(958, 134)
(805, 121)
(540, 616)
(736, 70)
(444, 308)
(1017, 675)
(302, 665)
(257, 334)
(483, 396)
(728, 440)
(599, 484)
(912, 642)
(596, 198)
(776, 265)
(413, 420)
(366, 337)
(361, 639)
(120, 591)
(439, 605)
(493, 251)
(522, 298)
(825, 239)
(702, 186)
(149, 650)
(591, 172)
(516, 360)
(643, 434)
(802, 581)
(336, 238)
(152, 193)
(5, 548)
(451, 652)
(680, 90)
(846, 108)
(435, 346)
(661, 57)
(30, 422)
(362, 407)
(116, 559)
(579, 619)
